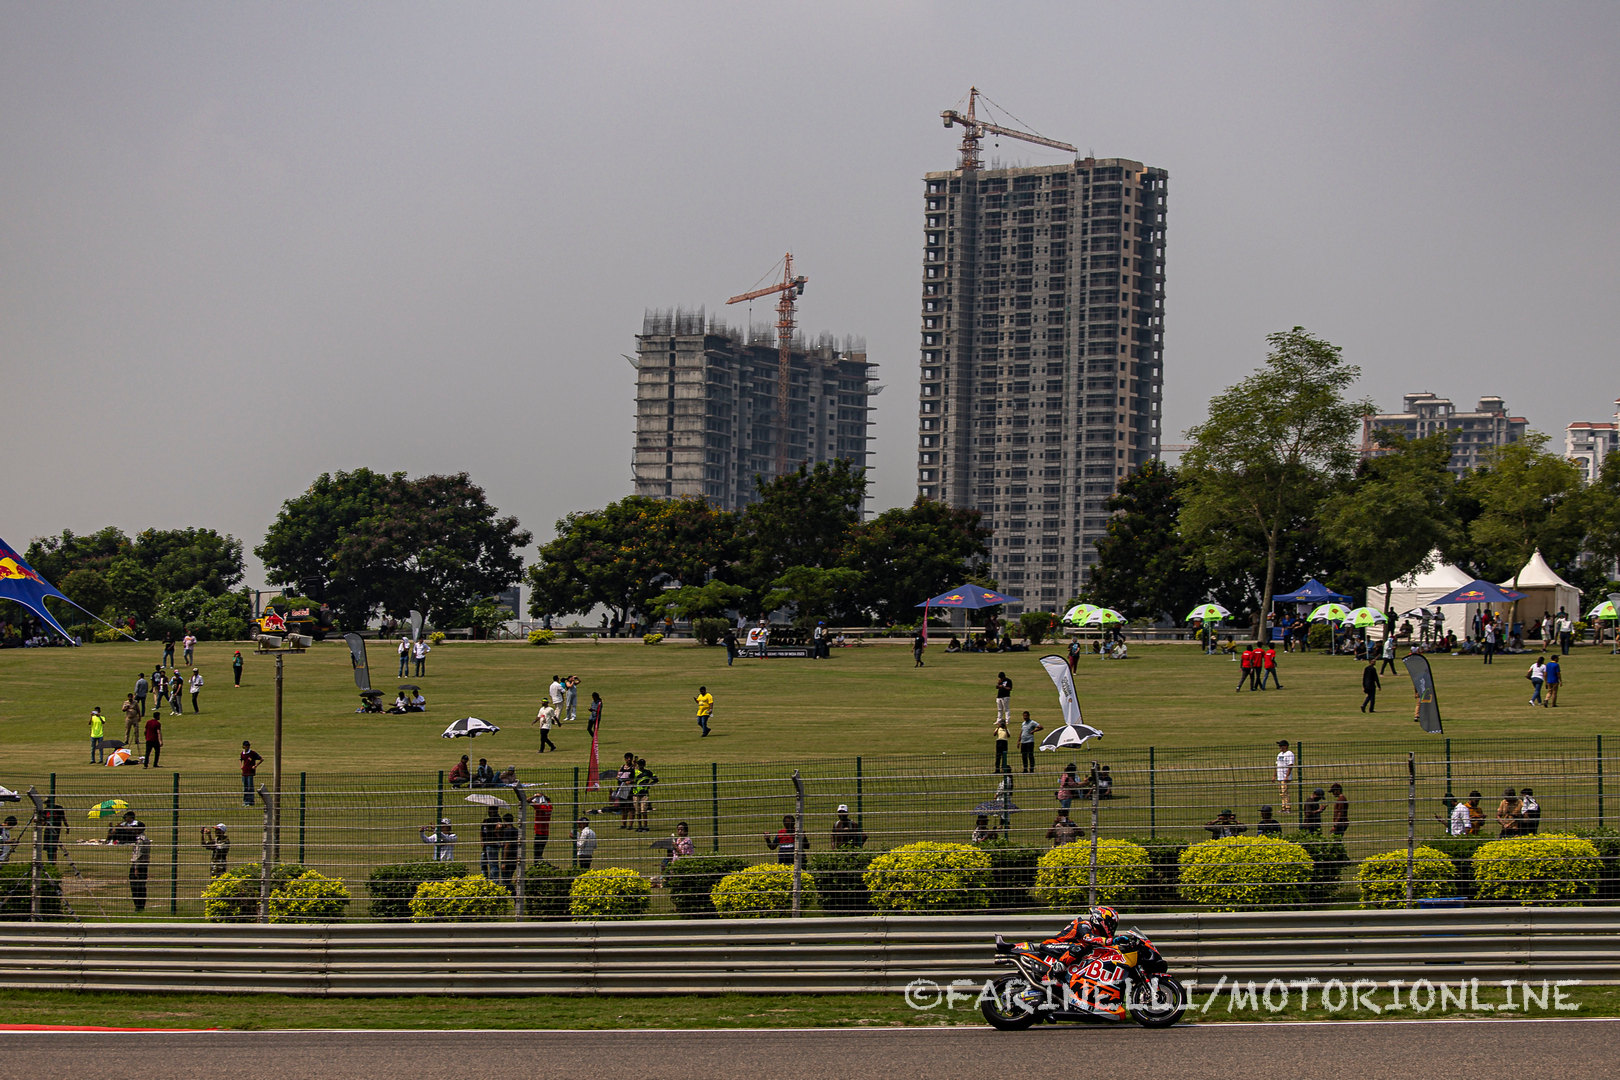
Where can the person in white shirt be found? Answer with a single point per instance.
(196, 688)
(7, 844)
(584, 843)
(1460, 819)
(556, 692)
(442, 839)
(419, 653)
(404, 656)
(546, 718)
(1285, 771)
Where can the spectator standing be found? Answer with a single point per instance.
(729, 640)
(595, 714)
(1285, 771)
(404, 656)
(175, 684)
(1003, 696)
(8, 843)
(489, 845)
(419, 653)
(556, 693)
(250, 768)
(1538, 678)
(540, 807)
(584, 843)
(845, 833)
(217, 843)
(1458, 821)
(1026, 743)
(1225, 824)
(1068, 788)
(132, 722)
(236, 669)
(1488, 635)
(140, 862)
(1268, 672)
(54, 827)
(1388, 655)
(1566, 632)
(196, 688)
(1507, 813)
(1063, 831)
(918, 644)
(1476, 815)
(1370, 687)
(680, 847)
(641, 783)
(546, 717)
(786, 841)
(1555, 679)
(461, 773)
(188, 643)
(511, 847)
(1001, 734)
(1246, 660)
(1311, 813)
(1267, 825)
(705, 708)
(1341, 810)
(160, 688)
(442, 838)
(1529, 812)
(168, 651)
(141, 689)
(571, 697)
(154, 741)
(98, 731)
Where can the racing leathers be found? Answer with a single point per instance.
(1094, 982)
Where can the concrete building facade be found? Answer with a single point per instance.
(1041, 355)
(706, 420)
(1587, 444)
(1474, 434)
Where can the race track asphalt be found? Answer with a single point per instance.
(1569, 1050)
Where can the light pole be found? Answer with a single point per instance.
(279, 646)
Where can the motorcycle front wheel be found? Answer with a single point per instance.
(1157, 1001)
(1005, 1013)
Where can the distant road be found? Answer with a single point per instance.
(1569, 1050)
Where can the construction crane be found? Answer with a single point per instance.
(974, 129)
(790, 288)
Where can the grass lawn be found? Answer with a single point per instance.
(922, 736)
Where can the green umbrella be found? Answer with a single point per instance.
(108, 808)
(1330, 613)
(1363, 617)
(1208, 612)
(1104, 617)
(1604, 610)
(1078, 614)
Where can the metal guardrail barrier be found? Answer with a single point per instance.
(782, 956)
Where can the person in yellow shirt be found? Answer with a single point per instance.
(98, 728)
(705, 704)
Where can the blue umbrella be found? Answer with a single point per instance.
(969, 598)
(1478, 592)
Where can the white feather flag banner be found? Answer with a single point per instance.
(1074, 731)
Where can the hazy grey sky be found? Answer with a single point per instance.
(242, 244)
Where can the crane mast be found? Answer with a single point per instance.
(974, 129)
(789, 289)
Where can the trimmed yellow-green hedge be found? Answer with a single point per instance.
(929, 877)
(464, 899)
(1382, 877)
(309, 898)
(1063, 877)
(759, 892)
(612, 892)
(1241, 872)
(1547, 868)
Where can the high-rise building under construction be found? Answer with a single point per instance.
(1042, 355)
(706, 407)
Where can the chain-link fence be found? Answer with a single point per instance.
(346, 825)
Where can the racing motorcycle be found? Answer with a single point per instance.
(1127, 980)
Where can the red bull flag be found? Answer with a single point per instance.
(22, 583)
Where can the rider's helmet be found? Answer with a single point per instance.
(1103, 921)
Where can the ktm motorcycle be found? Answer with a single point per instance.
(1127, 980)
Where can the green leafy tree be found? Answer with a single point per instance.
(1601, 519)
(1272, 450)
(182, 558)
(1528, 500)
(1390, 519)
(910, 553)
(806, 518)
(1142, 566)
(814, 591)
(134, 588)
(709, 600)
(300, 548)
(56, 557)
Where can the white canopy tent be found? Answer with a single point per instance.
(1544, 592)
(1419, 590)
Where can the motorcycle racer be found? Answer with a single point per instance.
(1093, 982)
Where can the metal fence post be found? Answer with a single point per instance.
(53, 785)
(1091, 888)
(303, 812)
(1448, 764)
(1599, 774)
(575, 856)
(1299, 778)
(860, 791)
(798, 837)
(1411, 820)
(523, 849)
(264, 858)
(438, 817)
(37, 868)
(1153, 797)
(714, 803)
(174, 849)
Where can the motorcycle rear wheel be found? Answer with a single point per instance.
(1002, 1014)
(1157, 1001)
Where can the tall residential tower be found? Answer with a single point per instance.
(1042, 355)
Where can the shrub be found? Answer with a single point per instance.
(840, 880)
(541, 637)
(690, 880)
(464, 899)
(651, 639)
(310, 898)
(436, 638)
(1162, 888)
(1328, 860)
(545, 890)
(1547, 868)
(234, 895)
(760, 891)
(391, 887)
(1064, 878)
(1012, 873)
(1460, 850)
(1382, 878)
(612, 892)
(1037, 625)
(1240, 872)
(16, 890)
(1607, 843)
(104, 634)
(929, 877)
(709, 631)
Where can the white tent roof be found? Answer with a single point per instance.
(1538, 575)
(1417, 590)
(1545, 593)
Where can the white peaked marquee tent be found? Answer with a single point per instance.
(1421, 590)
(1544, 592)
